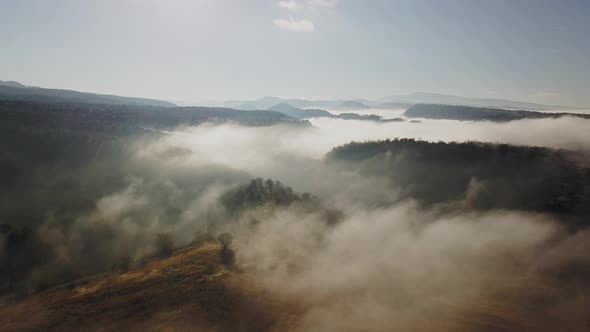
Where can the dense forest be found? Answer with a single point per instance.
(104, 117)
(30, 262)
(59, 160)
(480, 175)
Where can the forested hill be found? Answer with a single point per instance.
(480, 175)
(467, 113)
(103, 117)
(17, 91)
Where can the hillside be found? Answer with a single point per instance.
(189, 291)
(10, 90)
(299, 113)
(353, 105)
(105, 117)
(467, 113)
(481, 176)
(194, 291)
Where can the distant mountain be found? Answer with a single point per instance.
(285, 108)
(258, 104)
(267, 102)
(390, 102)
(468, 113)
(13, 84)
(353, 105)
(393, 105)
(436, 98)
(103, 118)
(10, 90)
(299, 113)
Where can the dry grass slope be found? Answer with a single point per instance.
(193, 291)
(189, 291)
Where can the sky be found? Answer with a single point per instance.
(191, 50)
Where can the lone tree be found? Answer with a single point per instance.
(228, 256)
(164, 245)
(225, 239)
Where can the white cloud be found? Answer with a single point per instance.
(298, 5)
(303, 25)
(322, 3)
(291, 5)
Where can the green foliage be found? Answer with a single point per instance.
(260, 192)
(519, 177)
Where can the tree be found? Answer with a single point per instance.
(164, 245)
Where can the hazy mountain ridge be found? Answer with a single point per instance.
(299, 113)
(392, 102)
(437, 98)
(104, 117)
(267, 102)
(11, 90)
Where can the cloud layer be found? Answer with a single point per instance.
(301, 6)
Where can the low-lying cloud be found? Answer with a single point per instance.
(380, 267)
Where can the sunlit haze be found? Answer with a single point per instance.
(198, 50)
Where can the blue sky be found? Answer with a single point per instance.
(533, 50)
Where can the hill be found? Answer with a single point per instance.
(117, 117)
(391, 102)
(437, 98)
(353, 105)
(13, 84)
(467, 113)
(299, 113)
(267, 102)
(15, 91)
(480, 176)
(191, 290)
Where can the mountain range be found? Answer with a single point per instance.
(437, 98)
(390, 102)
(12, 90)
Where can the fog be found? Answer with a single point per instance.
(566, 132)
(401, 267)
(385, 113)
(296, 156)
(382, 266)
(405, 269)
(221, 144)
